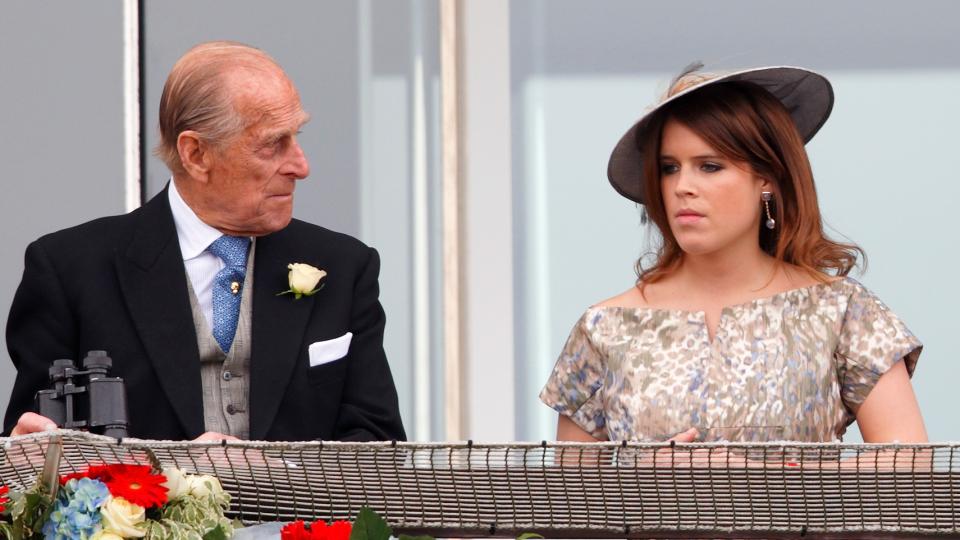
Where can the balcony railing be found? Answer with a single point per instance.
(612, 490)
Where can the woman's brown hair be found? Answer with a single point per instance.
(744, 122)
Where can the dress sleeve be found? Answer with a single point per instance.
(575, 388)
(871, 341)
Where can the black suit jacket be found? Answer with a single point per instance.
(119, 284)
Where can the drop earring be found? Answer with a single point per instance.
(767, 196)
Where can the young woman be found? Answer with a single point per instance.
(745, 326)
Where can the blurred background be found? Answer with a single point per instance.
(544, 90)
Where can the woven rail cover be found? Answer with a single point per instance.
(557, 489)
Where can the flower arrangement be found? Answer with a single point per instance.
(112, 502)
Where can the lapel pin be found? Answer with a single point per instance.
(234, 287)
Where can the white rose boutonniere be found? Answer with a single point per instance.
(303, 280)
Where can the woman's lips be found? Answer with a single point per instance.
(687, 217)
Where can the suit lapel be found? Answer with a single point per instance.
(153, 281)
(279, 323)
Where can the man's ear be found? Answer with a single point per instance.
(195, 155)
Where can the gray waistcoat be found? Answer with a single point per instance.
(226, 377)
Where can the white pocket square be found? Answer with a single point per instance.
(323, 352)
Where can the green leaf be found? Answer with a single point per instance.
(216, 533)
(529, 535)
(29, 511)
(315, 291)
(167, 529)
(370, 526)
(408, 537)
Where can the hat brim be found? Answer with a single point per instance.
(807, 96)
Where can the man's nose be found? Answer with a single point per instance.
(297, 164)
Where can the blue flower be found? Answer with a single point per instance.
(76, 514)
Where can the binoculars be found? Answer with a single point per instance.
(86, 399)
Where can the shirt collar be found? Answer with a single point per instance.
(194, 235)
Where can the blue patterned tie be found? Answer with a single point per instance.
(227, 286)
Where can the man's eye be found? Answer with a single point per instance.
(710, 167)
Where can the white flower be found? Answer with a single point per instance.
(177, 484)
(304, 278)
(202, 485)
(121, 517)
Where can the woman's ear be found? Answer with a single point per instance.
(765, 184)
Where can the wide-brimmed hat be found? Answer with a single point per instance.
(807, 95)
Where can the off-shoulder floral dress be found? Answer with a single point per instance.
(795, 366)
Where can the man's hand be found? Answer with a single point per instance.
(214, 436)
(32, 423)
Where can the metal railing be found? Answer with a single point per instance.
(716, 490)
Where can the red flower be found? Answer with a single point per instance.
(138, 485)
(135, 483)
(96, 472)
(319, 530)
(338, 530)
(3, 498)
(294, 531)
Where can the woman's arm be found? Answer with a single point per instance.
(890, 412)
(567, 430)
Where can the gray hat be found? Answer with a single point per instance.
(807, 96)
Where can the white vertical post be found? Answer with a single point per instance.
(488, 220)
(365, 118)
(131, 104)
(420, 200)
(453, 353)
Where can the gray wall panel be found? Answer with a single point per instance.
(627, 36)
(61, 134)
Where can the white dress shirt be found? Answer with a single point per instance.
(195, 237)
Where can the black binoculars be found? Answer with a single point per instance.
(98, 406)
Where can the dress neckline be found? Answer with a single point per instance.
(774, 298)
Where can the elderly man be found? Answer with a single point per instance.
(184, 293)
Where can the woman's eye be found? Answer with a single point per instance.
(710, 167)
(668, 168)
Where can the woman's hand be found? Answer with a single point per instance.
(687, 436)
